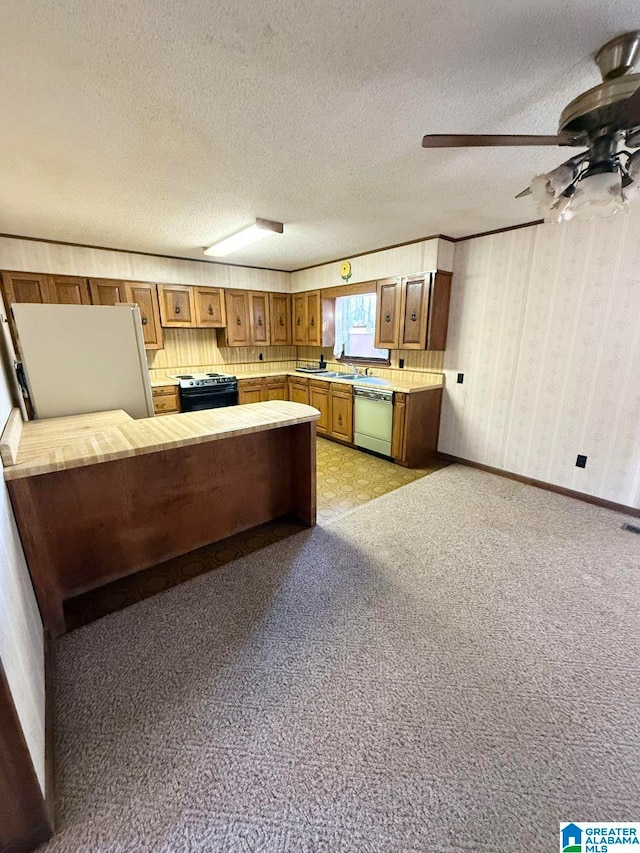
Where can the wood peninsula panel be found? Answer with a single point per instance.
(109, 520)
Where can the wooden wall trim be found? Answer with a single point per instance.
(540, 484)
(347, 289)
(498, 231)
(24, 818)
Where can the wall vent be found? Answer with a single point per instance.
(632, 528)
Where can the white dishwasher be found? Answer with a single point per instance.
(373, 419)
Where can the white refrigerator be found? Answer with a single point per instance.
(83, 358)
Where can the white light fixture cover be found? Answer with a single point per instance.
(258, 230)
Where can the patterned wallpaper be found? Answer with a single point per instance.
(21, 635)
(545, 326)
(36, 256)
(430, 254)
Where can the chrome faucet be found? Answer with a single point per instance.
(354, 369)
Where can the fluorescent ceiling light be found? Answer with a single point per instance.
(245, 237)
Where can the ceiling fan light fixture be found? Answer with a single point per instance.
(246, 236)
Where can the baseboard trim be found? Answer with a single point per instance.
(540, 484)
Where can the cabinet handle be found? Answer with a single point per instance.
(177, 309)
(312, 322)
(144, 320)
(387, 318)
(340, 419)
(281, 321)
(414, 316)
(238, 320)
(298, 321)
(259, 321)
(210, 309)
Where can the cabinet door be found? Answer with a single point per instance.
(145, 296)
(280, 306)
(319, 399)
(299, 393)
(439, 311)
(342, 416)
(105, 291)
(250, 391)
(69, 290)
(389, 296)
(25, 287)
(177, 305)
(276, 391)
(210, 311)
(299, 320)
(415, 312)
(314, 319)
(259, 318)
(238, 332)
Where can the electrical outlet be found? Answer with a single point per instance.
(401, 362)
(460, 378)
(581, 461)
(261, 357)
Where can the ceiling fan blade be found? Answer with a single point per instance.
(629, 112)
(528, 191)
(443, 140)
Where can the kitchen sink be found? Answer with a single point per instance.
(370, 380)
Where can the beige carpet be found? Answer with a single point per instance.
(452, 667)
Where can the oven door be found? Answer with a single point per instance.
(213, 397)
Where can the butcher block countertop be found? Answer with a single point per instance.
(57, 444)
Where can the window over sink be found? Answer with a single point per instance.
(355, 319)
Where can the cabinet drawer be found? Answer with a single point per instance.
(162, 390)
(167, 403)
(339, 388)
(275, 380)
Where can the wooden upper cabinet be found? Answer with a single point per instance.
(25, 287)
(105, 291)
(415, 312)
(259, 318)
(314, 318)
(210, 307)
(69, 290)
(439, 311)
(177, 305)
(300, 320)
(280, 309)
(389, 299)
(238, 330)
(145, 296)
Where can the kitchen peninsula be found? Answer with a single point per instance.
(100, 496)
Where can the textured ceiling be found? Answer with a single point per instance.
(161, 126)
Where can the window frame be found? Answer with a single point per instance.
(357, 290)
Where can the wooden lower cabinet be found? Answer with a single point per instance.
(166, 400)
(299, 390)
(341, 413)
(319, 399)
(250, 390)
(416, 424)
(275, 388)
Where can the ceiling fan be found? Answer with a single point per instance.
(603, 179)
